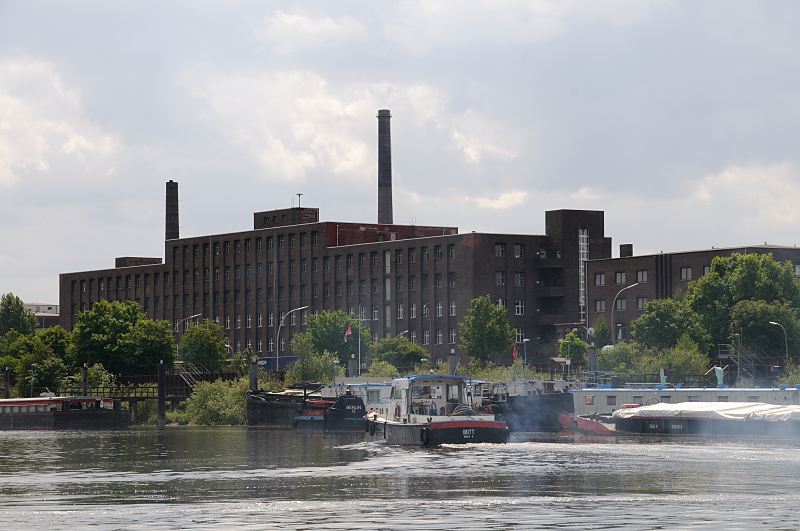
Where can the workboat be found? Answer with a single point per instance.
(62, 413)
(531, 404)
(711, 418)
(430, 410)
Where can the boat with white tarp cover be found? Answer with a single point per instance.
(711, 418)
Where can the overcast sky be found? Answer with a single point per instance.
(680, 119)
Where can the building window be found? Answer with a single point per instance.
(412, 255)
(349, 262)
(412, 282)
(437, 252)
(599, 279)
(426, 337)
(439, 308)
(620, 277)
(291, 241)
(686, 273)
(452, 337)
(337, 260)
(362, 261)
(519, 307)
(451, 252)
(314, 238)
(412, 311)
(452, 309)
(237, 246)
(399, 284)
(249, 321)
(641, 302)
(362, 287)
(641, 276)
(500, 278)
(270, 319)
(599, 305)
(519, 279)
(373, 259)
(519, 250)
(400, 311)
(439, 337)
(413, 336)
(501, 303)
(238, 321)
(707, 270)
(519, 335)
(499, 250)
(374, 313)
(227, 322)
(398, 256)
(437, 280)
(622, 305)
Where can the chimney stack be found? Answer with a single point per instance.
(172, 231)
(626, 250)
(385, 215)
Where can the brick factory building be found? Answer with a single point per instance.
(655, 276)
(409, 280)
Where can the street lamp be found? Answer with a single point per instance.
(525, 355)
(613, 305)
(278, 334)
(785, 340)
(177, 329)
(404, 332)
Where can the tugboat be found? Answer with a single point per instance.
(430, 410)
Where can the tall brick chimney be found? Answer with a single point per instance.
(385, 215)
(172, 231)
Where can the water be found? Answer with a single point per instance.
(217, 478)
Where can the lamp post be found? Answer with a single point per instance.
(404, 332)
(524, 355)
(785, 339)
(613, 305)
(278, 334)
(177, 329)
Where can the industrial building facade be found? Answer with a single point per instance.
(397, 279)
(619, 288)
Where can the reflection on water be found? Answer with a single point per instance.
(225, 477)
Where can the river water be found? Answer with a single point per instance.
(217, 478)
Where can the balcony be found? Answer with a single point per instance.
(549, 291)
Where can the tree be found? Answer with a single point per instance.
(14, 316)
(205, 344)
(119, 335)
(573, 348)
(219, 402)
(663, 323)
(485, 332)
(685, 357)
(383, 369)
(311, 365)
(327, 333)
(34, 369)
(736, 278)
(398, 352)
(62, 343)
(752, 319)
(602, 334)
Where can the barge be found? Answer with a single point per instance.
(63, 413)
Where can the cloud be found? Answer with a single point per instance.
(504, 200)
(292, 31)
(297, 122)
(42, 125)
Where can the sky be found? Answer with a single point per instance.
(680, 120)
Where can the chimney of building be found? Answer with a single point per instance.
(625, 250)
(385, 215)
(172, 231)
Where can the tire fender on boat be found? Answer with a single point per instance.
(372, 427)
(423, 436)
(397, 412)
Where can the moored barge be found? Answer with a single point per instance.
(62, 413)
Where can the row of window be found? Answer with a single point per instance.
(621, 304)
(611, 400)
(261, 243)
(621, 277)
(500, 279)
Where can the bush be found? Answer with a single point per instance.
(218, 403)
(381, 368)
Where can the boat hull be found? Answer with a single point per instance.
(709, 427)
(72, 419)
(438, 433)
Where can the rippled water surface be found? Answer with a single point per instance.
(216, 478)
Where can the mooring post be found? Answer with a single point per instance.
(253, 372)
(7, 383)
(85, 379)
(162, 398)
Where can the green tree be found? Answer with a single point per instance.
(14, 316)
(62, 343)
(119, 335)
(485, 332)
(382, 369)
(34, 369)
(736, 278)
(751, 319)
(602, 334)
(623, 357)
(218, 403)
(686, 357)
(311, 365)
(574, 348)
(398, 352)
(205, 344)
(663, 323)
(327, 333)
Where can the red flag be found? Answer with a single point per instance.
(514, 350)
(348, 333)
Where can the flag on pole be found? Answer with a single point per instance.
(514, 350)
(348, 333)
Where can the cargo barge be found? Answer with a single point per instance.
(63, 413)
